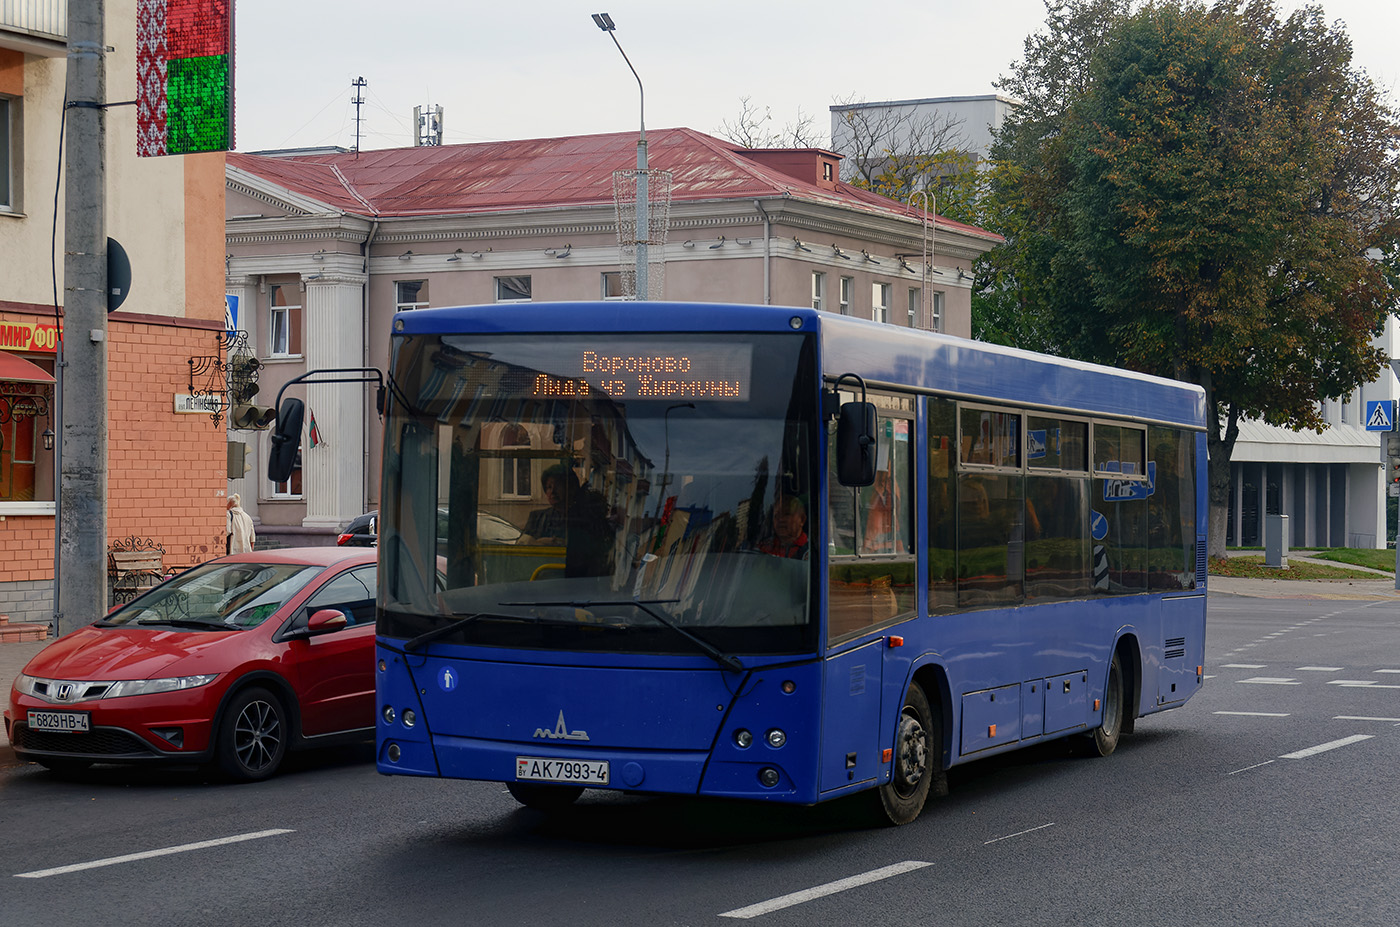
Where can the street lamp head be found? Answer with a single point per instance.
(604, 22)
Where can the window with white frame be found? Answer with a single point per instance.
(612, 285)
(916, 300)
(515, 468)
(8, 110)
(818, 290)
(410, 294)
(847, 294)
(880, 302)
(284, 321)
(513, 289)
(936, 323)
(290, 488)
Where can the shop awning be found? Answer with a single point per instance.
(16, 369)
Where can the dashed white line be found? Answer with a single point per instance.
(1388, 671)
(148, 854)
(1330, 745)
(1243, 665)
(821, 891)
(1271, 681)
(1019, 833)
(1320, 669)
(1248, 768)
(1360, 684)
(1363, 718)
(1256, 714)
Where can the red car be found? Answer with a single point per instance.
(233, 663)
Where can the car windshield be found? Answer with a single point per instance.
(539, 479)
(223, 595)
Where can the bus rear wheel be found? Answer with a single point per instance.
(544, 797)
(1103, 740)
(917, 765)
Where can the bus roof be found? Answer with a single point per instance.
(884, 355)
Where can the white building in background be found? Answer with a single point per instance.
(977, 117)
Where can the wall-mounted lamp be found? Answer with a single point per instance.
(839, 253)
(718, 244)
(559, 252)
(687, 244)
(477, 254)
(456, 255)
(48, 439)
(406, 255)
(800, 246)
(311, 277)
(903, 264)
(743, 241)
(319, 255)
(961, 275)
(868, 258)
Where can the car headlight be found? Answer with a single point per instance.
(127, 687)
(24, 685)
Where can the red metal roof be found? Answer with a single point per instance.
(543, 173)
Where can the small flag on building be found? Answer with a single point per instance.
(315, 432)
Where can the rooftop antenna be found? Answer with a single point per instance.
(359, 84)
(427, 125)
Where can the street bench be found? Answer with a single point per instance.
(133, 566)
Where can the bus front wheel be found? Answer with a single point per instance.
(1103, 740)
(544, 797)
(917, 751)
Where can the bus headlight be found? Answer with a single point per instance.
(775, 738)
(743, 739)
(389, 714)
(409, 718)
(768, 777)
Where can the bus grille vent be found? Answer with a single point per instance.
(1175, 647)
(1201, 564)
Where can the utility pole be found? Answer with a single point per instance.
(82, 489)
(359, 84)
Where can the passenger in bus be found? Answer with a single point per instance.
(789, 529)
(881, 502)
(576, 519)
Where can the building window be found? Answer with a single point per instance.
(880, 302)
(612, 285)
(410, 294)
(515, 468)
(7, 134)
(290, 488)
(284, 324)
(826, 171)
(916, 300)
(818, 290)
(17, 462)
(848, 288)
(513, 289)
(935, 323)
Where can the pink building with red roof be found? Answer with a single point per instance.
(323, 248)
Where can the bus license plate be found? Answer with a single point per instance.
(543, 769)
(60, 722)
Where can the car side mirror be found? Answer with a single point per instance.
(855, 444)
(326, 620)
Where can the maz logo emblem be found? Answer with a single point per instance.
(561, 731)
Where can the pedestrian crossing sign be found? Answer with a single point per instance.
(1380, 415)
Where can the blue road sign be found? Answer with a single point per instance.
(1380, 415)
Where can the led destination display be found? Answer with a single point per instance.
(712, 372)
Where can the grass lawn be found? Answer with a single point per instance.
(1252, 567)
(1375, 559)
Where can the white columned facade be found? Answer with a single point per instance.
(333, 471)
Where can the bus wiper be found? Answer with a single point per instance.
(710, 650)
(427, 637)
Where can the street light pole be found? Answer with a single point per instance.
(605, 22)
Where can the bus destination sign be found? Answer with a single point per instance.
(712, 372)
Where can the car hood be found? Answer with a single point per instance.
(134, 653)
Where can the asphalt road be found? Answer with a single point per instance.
(1268, 799)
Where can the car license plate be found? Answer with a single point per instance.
(543, 769)
(61, 722)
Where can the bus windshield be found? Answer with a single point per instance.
(638, 493)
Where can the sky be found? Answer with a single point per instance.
(542, 69)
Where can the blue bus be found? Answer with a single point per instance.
(770, 553)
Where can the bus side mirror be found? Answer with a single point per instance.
(286, 440)
(855, 444)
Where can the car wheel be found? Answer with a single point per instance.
(253, 736)
(544, 797)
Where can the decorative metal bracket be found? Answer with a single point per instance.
(219, 383)
(23, 400)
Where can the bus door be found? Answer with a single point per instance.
(851, 734)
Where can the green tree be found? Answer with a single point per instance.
(1205, 193)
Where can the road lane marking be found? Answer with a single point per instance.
(1360, 684)
(1256, 714)
(821, 891)
(148, 854)
(1363, 718)
(1020, 833)
(1243, 665)
(1388, 671)
(1320, 669)
(1330, 745)
(1270, 681)
(1248, 768)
